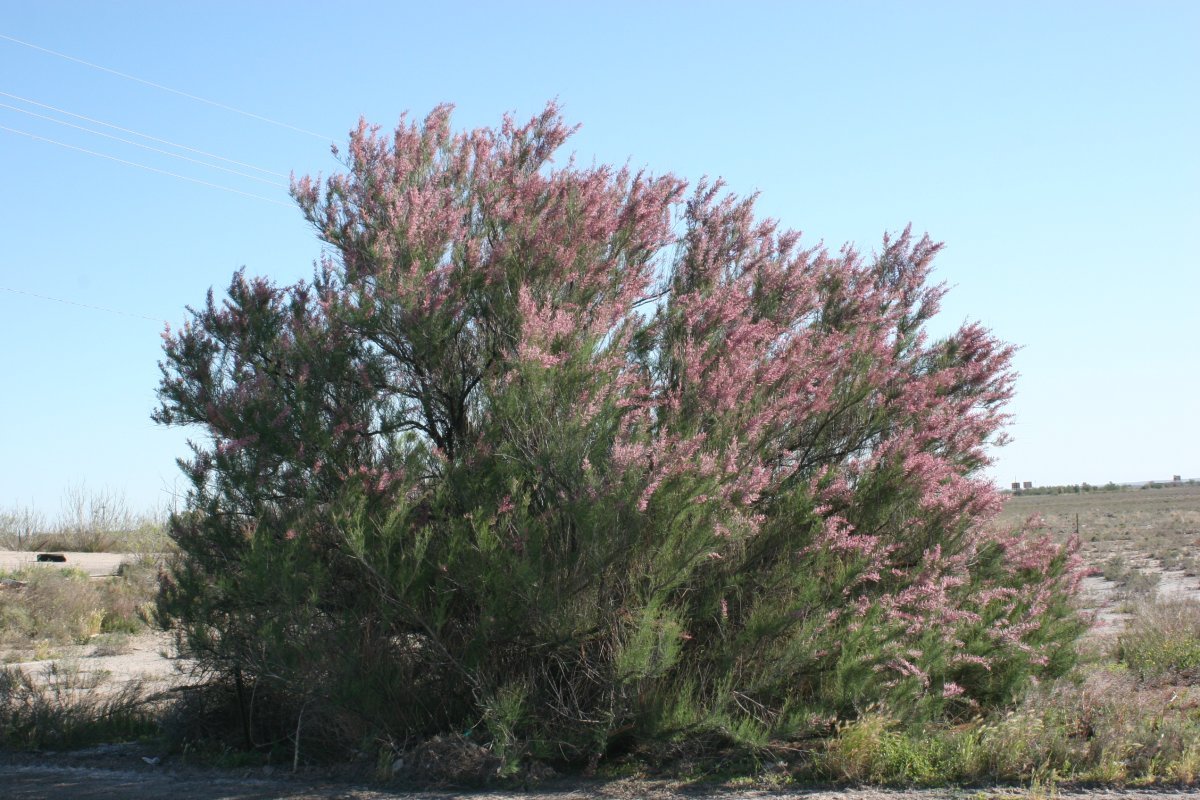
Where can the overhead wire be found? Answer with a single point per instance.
(81, 305)
(164, 88)
(267, 181)
(149, 137)
(204, 153)
(145, 167)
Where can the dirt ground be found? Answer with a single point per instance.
(147, 658)
(121, 773)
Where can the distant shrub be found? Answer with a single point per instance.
(115, 643)
(19, 527)
(1142, 584)
(60, 605)
(88, 522)
(1116, 568)
(1070, 488)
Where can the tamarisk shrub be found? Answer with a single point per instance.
(576, 459)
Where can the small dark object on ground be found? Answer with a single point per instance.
(56, 557)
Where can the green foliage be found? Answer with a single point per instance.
(503, 715)
(873, 750)
(526, 463)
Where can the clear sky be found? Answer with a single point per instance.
(1054, 147)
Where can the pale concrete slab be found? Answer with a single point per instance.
(94, 564)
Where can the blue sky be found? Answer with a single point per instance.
(1051, 145)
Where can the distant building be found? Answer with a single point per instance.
(1016, 486)
(1177, 479)
(1027, 485)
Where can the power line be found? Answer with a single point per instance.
(267, 181)
(127, 76)
(81, 305)
(138, 133)
(145, 167)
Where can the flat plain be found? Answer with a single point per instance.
(1137, 543)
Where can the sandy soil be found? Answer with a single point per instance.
(147, 658)
(122, 773)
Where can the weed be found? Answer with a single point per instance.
(1163, 642)
(65, 606)
(1142, 584)
(61, 712)
(1043, 788)
(502, 716)
(42, 650)
(1185, 769)
(112, 644)
(874, 749)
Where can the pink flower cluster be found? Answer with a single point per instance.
(694, 351)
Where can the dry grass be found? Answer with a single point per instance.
(87, 522)
(66, 606)
(1130, 715)
(1102, 725)
(61, 709)
(1162, 645)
